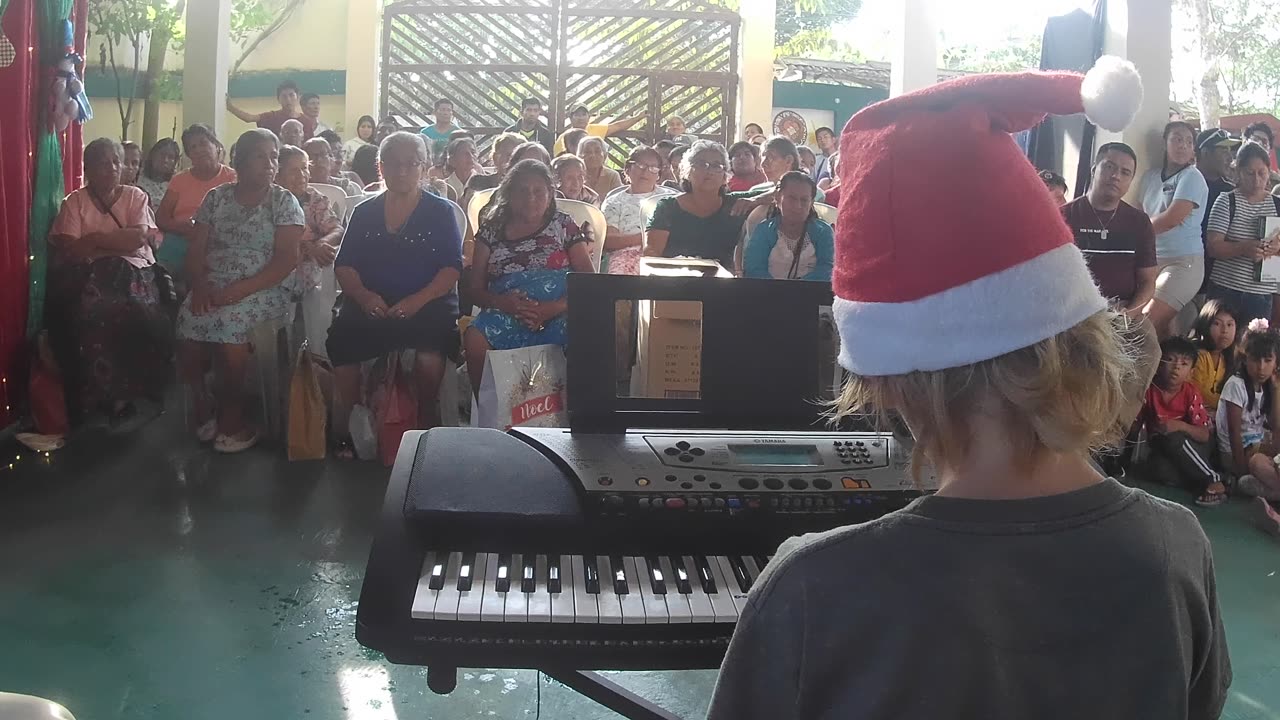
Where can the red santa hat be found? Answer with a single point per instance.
(949, 250)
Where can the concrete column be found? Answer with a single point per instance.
(915, 47)
(206, 64)
(364, 35)
(755, 65)
(1141, 31)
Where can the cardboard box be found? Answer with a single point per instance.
(669, 334)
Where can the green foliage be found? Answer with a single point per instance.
(1244, 40)
(1016, 54)
(807, 23)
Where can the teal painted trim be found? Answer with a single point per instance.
(842, 100)
(100, 83)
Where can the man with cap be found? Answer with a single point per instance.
(1028, 586)
(1215, 149)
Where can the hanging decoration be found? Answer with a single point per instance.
(53, 17)
(67, 99)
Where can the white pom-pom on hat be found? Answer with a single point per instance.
(1111, 93)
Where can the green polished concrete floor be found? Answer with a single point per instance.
(143, 577)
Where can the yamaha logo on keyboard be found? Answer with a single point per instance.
(765, 441)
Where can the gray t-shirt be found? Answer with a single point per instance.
(1099, 603)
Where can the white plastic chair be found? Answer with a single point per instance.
(826, 213)
(337, 199)
(460, 216)
(479, 199)
(29, 707)
(583, 213)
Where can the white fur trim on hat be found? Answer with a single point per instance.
(983, 319)
(1111, 93)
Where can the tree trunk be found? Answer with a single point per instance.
(286, 12)
(160, 38)
(1209, 96)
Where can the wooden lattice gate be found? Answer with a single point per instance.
(621, 58)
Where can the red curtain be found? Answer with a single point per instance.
(20, 88)
(17, 165)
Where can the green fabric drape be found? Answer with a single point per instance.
(48, 189)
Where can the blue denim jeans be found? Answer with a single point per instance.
(1247, 305)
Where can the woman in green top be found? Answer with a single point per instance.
(704, 221)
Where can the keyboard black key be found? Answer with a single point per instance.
(466, 572)
(682, 575)
(656, 581)
(705, 577)
(503, 583)
(761, 561)
(619, 571)
(438, 570)
(740, 572)
(553, 574)
(593, 574)
(527, 580)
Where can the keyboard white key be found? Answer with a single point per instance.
(700, 608)
(585, 609)
(517, 605)
(655, 605)
(678, 610)
(424, 598)
(632, 602)
(447, 598)
(726, 608)
(731, 584)
(609, 602)
(563, 602)
(470, 601)
(540, 598)
(493, 602)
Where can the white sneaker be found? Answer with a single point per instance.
(208, 431)
(229, 444)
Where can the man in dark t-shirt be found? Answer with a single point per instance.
(1215, 149)
(1115, 237)
(287, 95)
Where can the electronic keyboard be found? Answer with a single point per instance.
(543, 548)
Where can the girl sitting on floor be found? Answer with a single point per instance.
(1215, 335)
(1247, 404)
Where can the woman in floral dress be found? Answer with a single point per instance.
(524, 251)
(244, 247)
(321, 236)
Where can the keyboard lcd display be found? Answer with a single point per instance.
(790, 455)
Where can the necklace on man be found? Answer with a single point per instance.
(1107, 225)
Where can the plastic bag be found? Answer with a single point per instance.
(363, 439)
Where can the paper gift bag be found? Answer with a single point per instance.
(522, 388)
(307, 414)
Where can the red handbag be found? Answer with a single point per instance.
(397, 412)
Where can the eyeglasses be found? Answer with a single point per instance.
(646, 168)
(712, 167)
(397, 167)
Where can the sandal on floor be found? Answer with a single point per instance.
(1211, 499)
(232, 444)
(344, 450)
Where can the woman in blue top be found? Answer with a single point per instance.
(792, 244)
(398, 269)
(1174, 196)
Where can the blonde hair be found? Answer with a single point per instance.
(1063, 394)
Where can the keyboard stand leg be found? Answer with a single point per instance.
(610, 694)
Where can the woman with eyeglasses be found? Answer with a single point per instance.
(624, 215)
(704, 221)
(398, 269)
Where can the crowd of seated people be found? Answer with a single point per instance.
(251, 242)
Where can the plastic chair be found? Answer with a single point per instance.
(479, 199)
(337, 198)
(273, 344)
(29, 707)
(826, 213)
(584, 213)
(461, 216)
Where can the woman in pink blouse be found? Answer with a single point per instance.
(107, 319)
